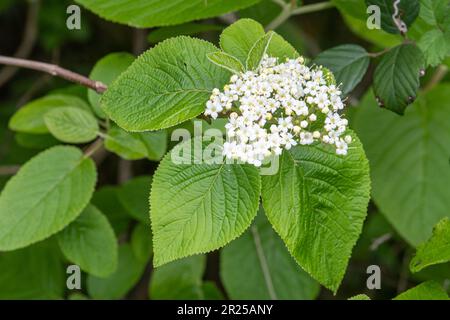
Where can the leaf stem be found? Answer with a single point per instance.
(379, 53)
(263, 262)
(93, 147)
(313, 7)
(288, 10)
(55, 70)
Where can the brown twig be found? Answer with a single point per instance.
(40, 83)
(379, 241)
(56, 71)
(8, 170)
(379, 53)
(287, 11)
(139, 41)
(438, 75)
(27, 44)
(125, 171)
(93, 147)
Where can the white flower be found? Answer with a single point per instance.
(213, 109)
(275, 105)
(306, 138)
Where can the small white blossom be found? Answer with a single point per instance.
(271, 109)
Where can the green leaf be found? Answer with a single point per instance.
(107, 70)
(47, 194)
(107, 200)
(35, 272)
(30, 117)
(408, 156)
(317, 203)
(435, 250)
(165, 86)
(198, 207)
(71, 125)
(5, 4)
(186, 29)
(408, 12)
(396, 79)
(429, 290)
(435, 44)
(348, 63)
(133, 196)
(211, 291)
(226, 61)
(434, 12)
(281, 49)
(239, 38)
(77, 296)
(178, 280)
(354, 8)
(36, 141)
(154, 13)
(359, 297)
(136, 145)
(117, 285)
(375, 36)
(258, 266)
(258, 50)
(263, 12)
(90, 243)
(354, 14)
(141, 242)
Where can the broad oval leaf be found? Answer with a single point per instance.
(154, 13)
(90, 243)
(435, 45)
(239, 38)
(396, 78)
(47, 194)
(179, 280)
(166, 85)
(317, 203)
(429, 290)
(141, 241)
(106, 199)
(434, 12)
(409, 161)
(30, 117)
(116, 285)
(35, 141)
(348, 63)
(133, 196)
(72, 125)
(435, 250)
(281, 49)
(258, 266)
(107, 70)
(224, 60)
(198, 207)
(36, 272)
(136, 145)
(258, 50)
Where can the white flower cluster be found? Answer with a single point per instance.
(276, 107)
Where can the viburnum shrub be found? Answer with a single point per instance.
(260, 153)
